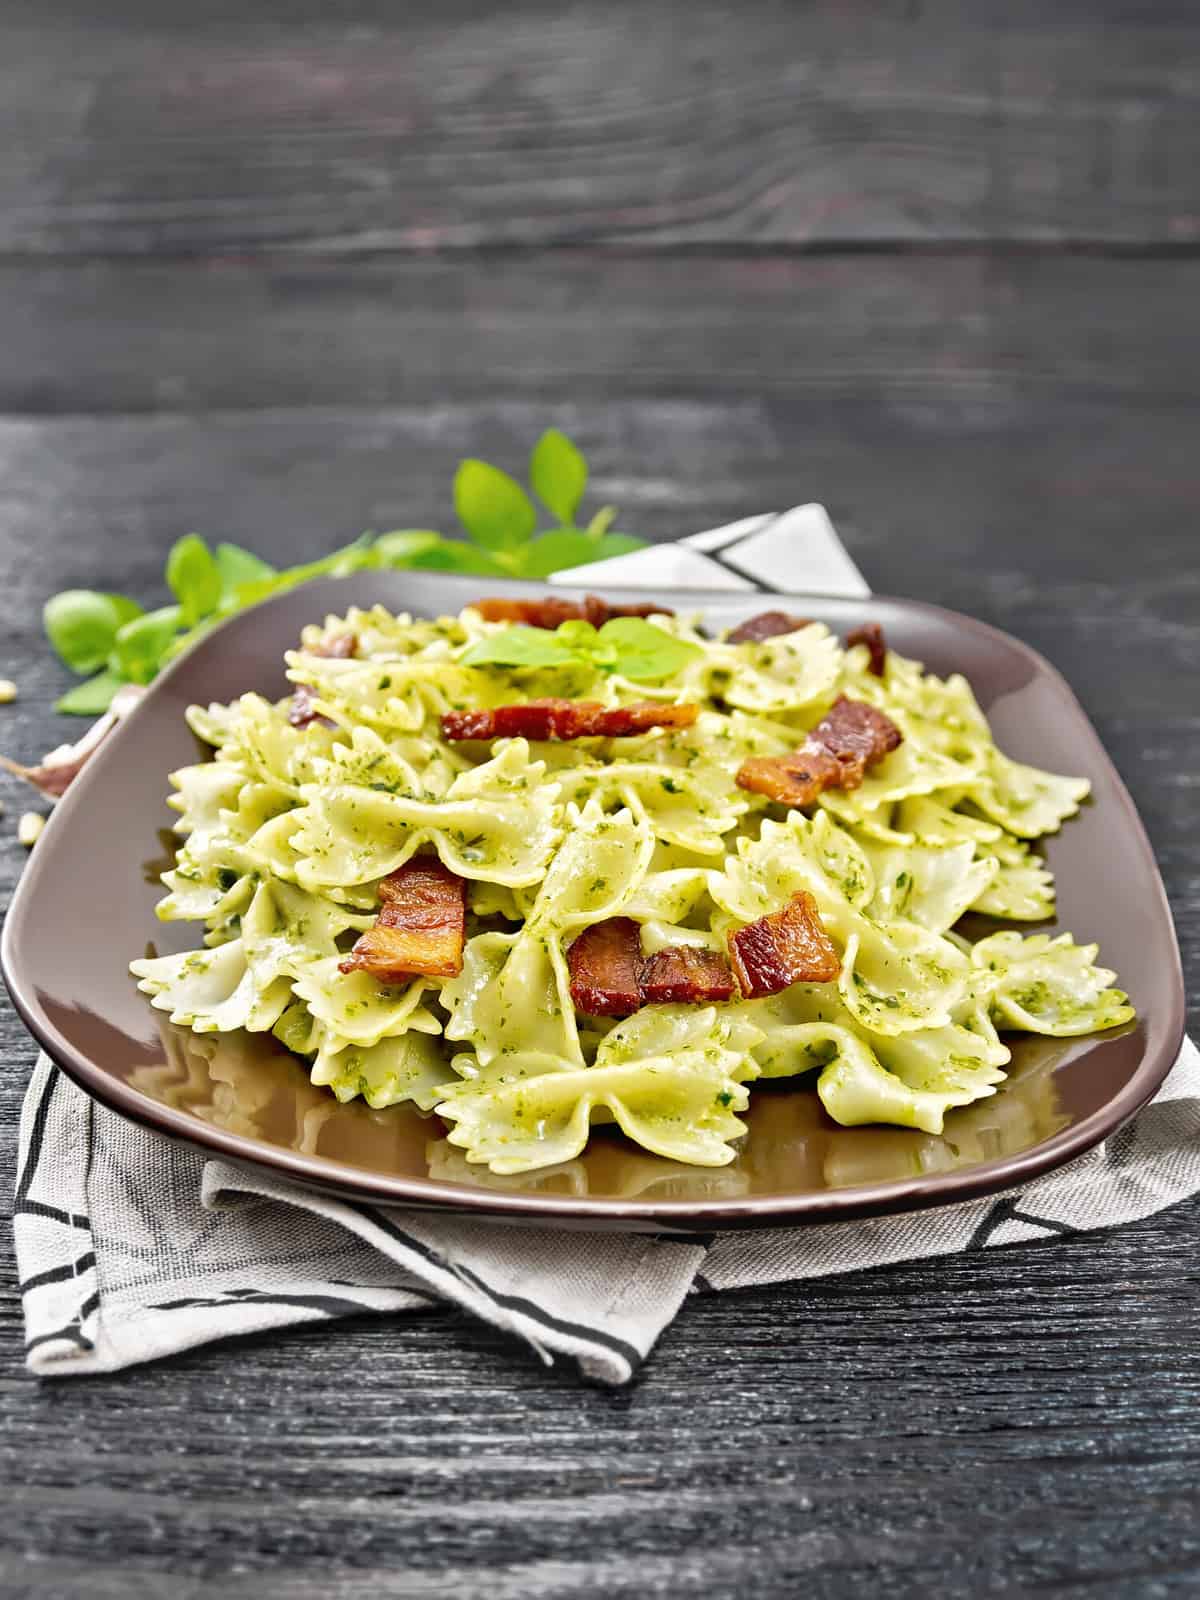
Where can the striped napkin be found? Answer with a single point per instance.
(131, 1246)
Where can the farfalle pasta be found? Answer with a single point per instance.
(296, 835)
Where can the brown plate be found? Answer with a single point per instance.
(85, 907)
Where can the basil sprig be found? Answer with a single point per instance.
(111, 640)
(627, 646)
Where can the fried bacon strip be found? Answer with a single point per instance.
(565, 719)
(683, 973)
(766, 625)
(420, 928)
(871, 634)
(336, 647)
(549, 611)
(605, 967)
(851, 737)
(609, 978)
(785, 947)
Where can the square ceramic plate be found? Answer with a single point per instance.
(85, 908)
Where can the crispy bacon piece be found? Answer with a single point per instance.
(857, 735)
(302, 711)
(549, 611)
(793, 780)
(605, 964)
(609, 978)
(420, 928)
(766, 625)
(871, 634)
(565, 719)
(782, 948)
(335, 646)
(851, 737)
(684, 974)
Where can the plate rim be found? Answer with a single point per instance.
(320, 1173)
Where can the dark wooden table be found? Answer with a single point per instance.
(267, 272)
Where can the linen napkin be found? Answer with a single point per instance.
(131, 1246)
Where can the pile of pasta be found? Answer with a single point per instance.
(292, 825)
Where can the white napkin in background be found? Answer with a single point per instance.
(131, 1246)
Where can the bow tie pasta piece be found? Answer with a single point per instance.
(722, 739)
(897, 977)
(906, 771)
(357, 1009)
(498, 900)
(1045, 985)
(512, 1004)
(598, 867)
(1022, 889)
(247, 981)
(204, 795)
(691, 808)
(512, 1000)
(1025, 800)
(786, 857)
(673, 1085)
(212, 724)
(930, 884)
(941, 712)
(215, 991)
(380, 634)
(400, 764)
(926, 819)
(806, 1029)
(497, 821)
(370, 762)
(270, 749)
(402, 695)
(785, 674)
(214, 873)
(910, 1079)
(669, 895)
(400, 1067)
(856, 1087)
(662, 904)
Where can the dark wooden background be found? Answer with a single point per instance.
(268, 271)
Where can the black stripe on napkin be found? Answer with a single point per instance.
(70, 1269)
(508, 1302)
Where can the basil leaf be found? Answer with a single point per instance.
(238, 567)
(82, 625)
(558, 475)
(492, 507)
(554, 551)
(520, 646)
(141, 644)
(644, 652)
(455, 555)
(193, 578)
(91, 698)
(399, 548)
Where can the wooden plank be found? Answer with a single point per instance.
(370, 126)
(965, 337)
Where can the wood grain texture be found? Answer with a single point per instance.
(136, 129)
(971, 340)
(1023, 1420)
